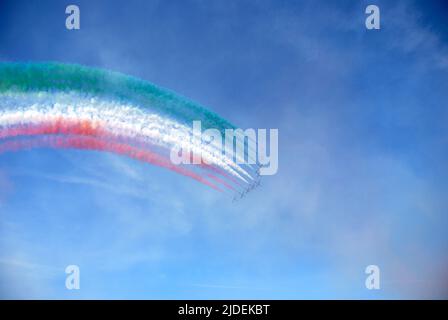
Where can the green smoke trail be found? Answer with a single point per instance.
(34, 77)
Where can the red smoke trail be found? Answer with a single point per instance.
(222, 173)
(91, 143)
(58, 126)
(90, 128)
(219, 180)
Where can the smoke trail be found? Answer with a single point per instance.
(110, 112)
(91, 143)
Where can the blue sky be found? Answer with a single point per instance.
(362, 154)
